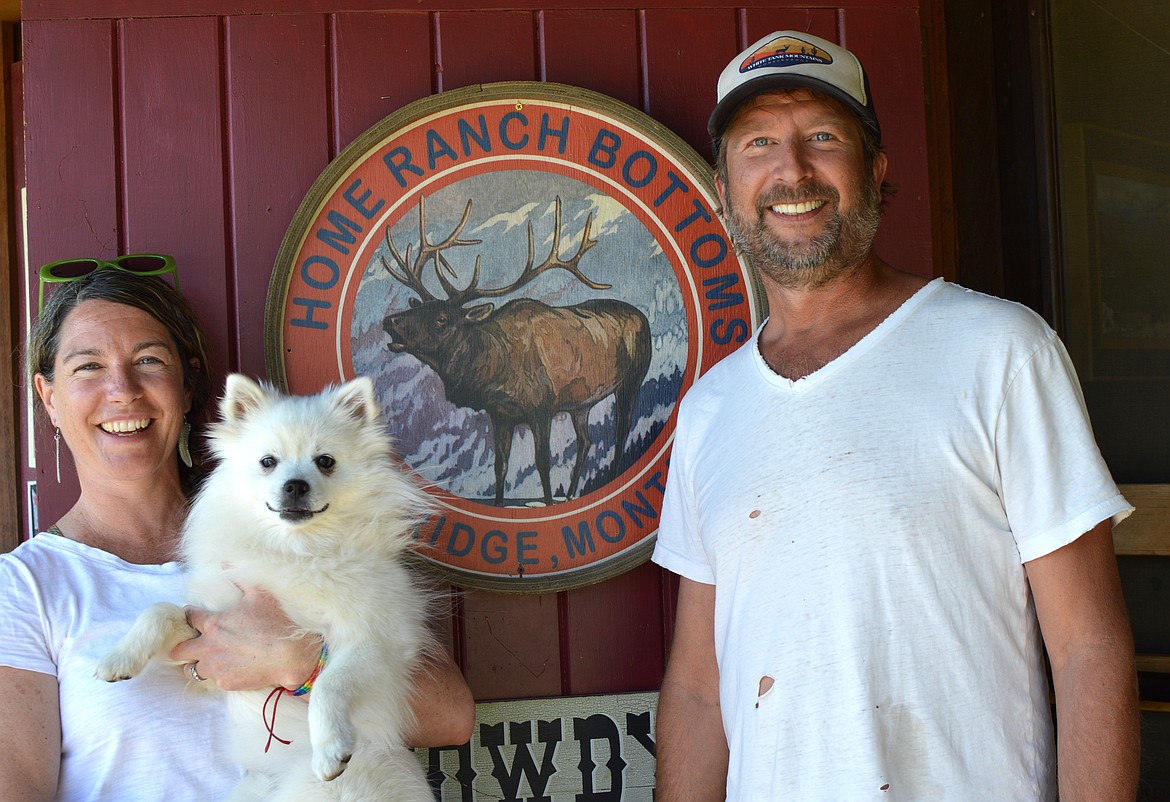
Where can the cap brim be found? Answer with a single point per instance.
(725, 109)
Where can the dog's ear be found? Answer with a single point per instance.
(241, 397)
(356, 398)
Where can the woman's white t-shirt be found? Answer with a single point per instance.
(155, 737)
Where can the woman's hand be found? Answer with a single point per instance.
(251, 646)
(254, 646)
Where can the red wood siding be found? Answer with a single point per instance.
(197, 131)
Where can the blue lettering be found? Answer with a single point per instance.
(577, 545)
(675, 183)
(497, 554)
(438, 529)
(724, 299)
(635, 512)
(438, 147)
(457, 530)
(310, 306)
(466, 134)
(648, 176)
(399, 160)
(698, 214)
(621, 526)
(736, 329)
(334, 238)
(720, 250)
(604, 150)
(655, 482)
(359, 203)
(523, 544)
(320, 284)
(509, 143)
(562, 133)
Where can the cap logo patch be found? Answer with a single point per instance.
(785, 51)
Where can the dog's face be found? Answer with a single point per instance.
(299, 461)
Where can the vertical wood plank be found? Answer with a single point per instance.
(383, 61)
(10, 307)
(172, 161)
(510, 645)
(594, 49)
(614, 633)
(685, 52)
(479, 47)
(20, 309)
(889, 43)
(72, 179)
(278, 142)
(71, 168)
(759, 22)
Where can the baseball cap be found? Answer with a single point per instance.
(793, 60)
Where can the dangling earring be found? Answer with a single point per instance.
(57, 449)
(184, 446)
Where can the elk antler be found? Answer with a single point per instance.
(554, 260)
(410, 273)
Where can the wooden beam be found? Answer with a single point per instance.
(1154, 663)
(1147, 531)
(10, 294)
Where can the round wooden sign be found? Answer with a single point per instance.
(532, 274)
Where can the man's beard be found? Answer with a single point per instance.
(845, 241)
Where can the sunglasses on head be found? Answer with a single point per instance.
(140, 264)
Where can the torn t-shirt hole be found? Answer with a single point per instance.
(766, 684)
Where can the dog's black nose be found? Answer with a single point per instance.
(295, 489)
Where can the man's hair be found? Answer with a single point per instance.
(150, 294)
(869, 149)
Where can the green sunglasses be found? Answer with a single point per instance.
(140, 264)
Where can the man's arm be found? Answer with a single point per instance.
(692, 747)
(1090, 647)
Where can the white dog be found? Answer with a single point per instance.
(307, 503)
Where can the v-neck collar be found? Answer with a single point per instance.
(855, 351)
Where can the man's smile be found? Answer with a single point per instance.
(792, 209)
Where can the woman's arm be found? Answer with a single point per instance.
(30, 736)
(444, 709)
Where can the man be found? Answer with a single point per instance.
(884, 508)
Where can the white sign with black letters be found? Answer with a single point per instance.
(566, 749)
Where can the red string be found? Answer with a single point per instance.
(270, 724)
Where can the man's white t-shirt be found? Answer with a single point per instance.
(150, 738)
(865, 528)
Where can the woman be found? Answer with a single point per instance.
(119, 365)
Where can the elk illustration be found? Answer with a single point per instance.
(527, 361)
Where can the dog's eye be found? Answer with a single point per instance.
(268, 462)
(325, 462)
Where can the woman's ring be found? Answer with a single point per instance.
(194, 673)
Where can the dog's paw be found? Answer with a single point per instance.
(117, 666)
(330, 760)
(331, 733)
